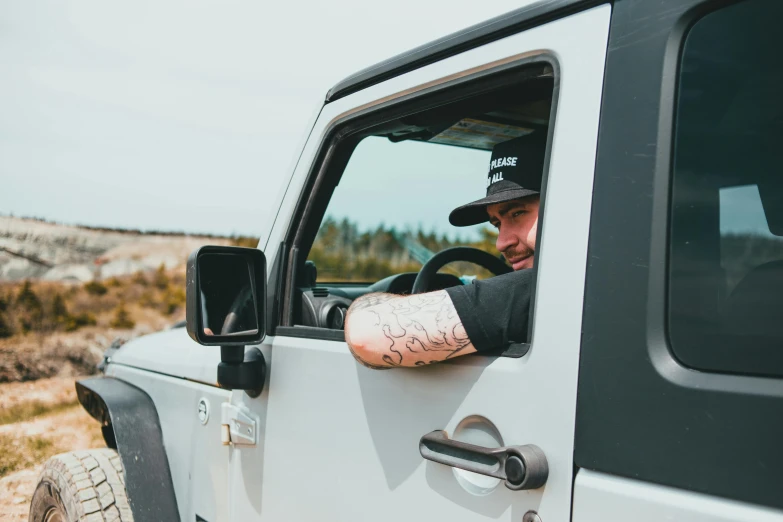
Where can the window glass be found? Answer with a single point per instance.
(390, 212)
(726, 252)
(746, 241)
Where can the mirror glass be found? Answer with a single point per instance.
(226, 297)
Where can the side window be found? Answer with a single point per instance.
(392, 191)
(726, 250)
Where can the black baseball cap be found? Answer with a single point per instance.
(515, 171)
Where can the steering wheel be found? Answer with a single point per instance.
(444, 257)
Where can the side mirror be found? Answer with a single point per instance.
(225, 297)
(226, 293)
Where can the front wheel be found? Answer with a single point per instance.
(81, 486)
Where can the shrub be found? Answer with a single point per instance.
(147, 299)
(114, 283)
(77, 321)
(175, 297)
(122, 318)
(29, 308)
(244, 241)
(139, 278)
(171, 307)
(6, 330)
(27, 298)
(5, 327)
(161, 280)
(95, 288)
(60, 313)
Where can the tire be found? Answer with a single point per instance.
(81, 486)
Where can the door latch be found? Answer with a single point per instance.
(238, 425)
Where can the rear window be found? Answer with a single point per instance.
(726, 237)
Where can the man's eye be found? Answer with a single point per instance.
(517, 213)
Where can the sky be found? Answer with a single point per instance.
(416, 185)
(164, 115)
(742, 212)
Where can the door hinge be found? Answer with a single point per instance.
(238, 425)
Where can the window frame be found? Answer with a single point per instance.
(748, 359)
(336, 148)
(640, 413)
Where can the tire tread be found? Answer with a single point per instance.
(90, 484)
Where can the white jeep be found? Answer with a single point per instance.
(651, 385)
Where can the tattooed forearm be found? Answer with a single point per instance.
(386, 330)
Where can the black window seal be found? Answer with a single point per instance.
(475, 36)
(352, 125)
(310, 332)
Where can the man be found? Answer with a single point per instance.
(388, 330)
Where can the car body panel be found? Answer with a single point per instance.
(608, 498)
(171, 352)
(197, 459)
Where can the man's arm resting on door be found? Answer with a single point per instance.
(388, 330)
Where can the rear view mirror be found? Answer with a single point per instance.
(226, 292)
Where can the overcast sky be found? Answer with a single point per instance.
(181, 115)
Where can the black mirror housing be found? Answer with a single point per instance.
(225, 296)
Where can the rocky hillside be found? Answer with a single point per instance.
(33, 249)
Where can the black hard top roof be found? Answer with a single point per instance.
(455, 43)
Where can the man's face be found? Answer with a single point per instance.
(517, 223)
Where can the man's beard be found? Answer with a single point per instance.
(518, 253)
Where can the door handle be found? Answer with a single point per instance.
(521, 467)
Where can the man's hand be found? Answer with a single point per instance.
(387, 330)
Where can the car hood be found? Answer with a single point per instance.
(171, 352)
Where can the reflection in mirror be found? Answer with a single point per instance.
(226, 300)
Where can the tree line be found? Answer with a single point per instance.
(343, 252)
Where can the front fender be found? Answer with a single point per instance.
(129, 414)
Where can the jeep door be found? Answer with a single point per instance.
(338, 441)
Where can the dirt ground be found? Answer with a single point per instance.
(49, 422)
(58, 390)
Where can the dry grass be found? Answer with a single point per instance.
(27, 411)
(25, 407)
(31, 428)
(20, 452)
(49, 392)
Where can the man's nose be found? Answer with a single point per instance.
(505, 239)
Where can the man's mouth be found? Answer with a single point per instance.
(520, 261)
